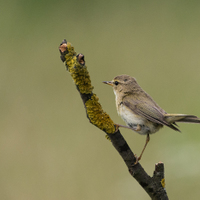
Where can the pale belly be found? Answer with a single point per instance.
(133, 120)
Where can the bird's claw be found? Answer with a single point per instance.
(137, 159)
(116, 127)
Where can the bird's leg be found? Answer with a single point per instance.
(138, 128)
(147, 140)
(119, 125)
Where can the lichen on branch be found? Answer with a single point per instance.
(75, 64)
(97, 116)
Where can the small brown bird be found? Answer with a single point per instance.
(140, 112)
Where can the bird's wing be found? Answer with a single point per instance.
(148, 111)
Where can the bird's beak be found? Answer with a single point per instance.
(108, 82)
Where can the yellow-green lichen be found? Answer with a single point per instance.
(70, 50)
(107, 137)
(97, 116)
(78, 72)
(81, 78)
(163, 182)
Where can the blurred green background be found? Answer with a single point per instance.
(48, 149)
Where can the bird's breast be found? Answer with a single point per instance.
(129, 116)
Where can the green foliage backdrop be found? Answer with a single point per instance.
(48, 149)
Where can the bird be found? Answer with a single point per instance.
(140, 112)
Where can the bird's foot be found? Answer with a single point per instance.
(137, 159)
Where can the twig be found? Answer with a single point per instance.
(75, 64)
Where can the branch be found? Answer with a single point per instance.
(75, 64)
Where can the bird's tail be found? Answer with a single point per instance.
(172, 118)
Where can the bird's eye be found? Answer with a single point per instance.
(116, 82)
